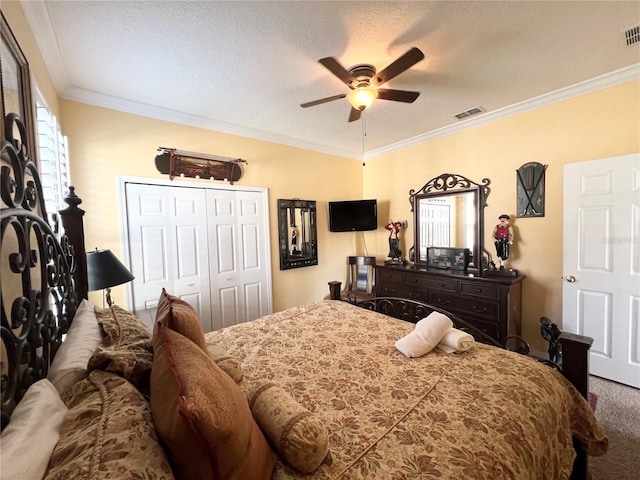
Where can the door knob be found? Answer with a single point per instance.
(571, 278)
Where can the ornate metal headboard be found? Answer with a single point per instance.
(43, 272)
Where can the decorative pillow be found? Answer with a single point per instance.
(32, 433)
(298, 435)
(230, 365)
(70, 363)
(177, 315)
(107, 434)
(126, 350)
(202, 415)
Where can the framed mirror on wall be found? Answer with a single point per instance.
(449, 213)
(297, 233)
(15, 84)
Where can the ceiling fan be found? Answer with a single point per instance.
(363, 80)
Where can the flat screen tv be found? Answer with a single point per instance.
(353, 216)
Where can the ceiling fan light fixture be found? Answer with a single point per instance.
(362, 97)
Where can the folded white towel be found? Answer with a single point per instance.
(425, 336)
(412, 345)
(456, 341)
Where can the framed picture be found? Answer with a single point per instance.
(448, 258)
(16, 85)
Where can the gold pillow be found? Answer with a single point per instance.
(126, 349)
(202, 415)
(298, 435)
(107, 433)
(230, 365)
(179, 316)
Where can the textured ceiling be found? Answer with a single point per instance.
(245, 67)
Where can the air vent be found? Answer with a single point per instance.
(632, 35)
(469, 113)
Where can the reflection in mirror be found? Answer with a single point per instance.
(297, 233)
(447, 221)
(448, 212)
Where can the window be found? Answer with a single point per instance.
(54, 159)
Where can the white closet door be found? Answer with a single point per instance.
(239, 263)
(168, 246)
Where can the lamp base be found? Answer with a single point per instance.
(108, 297)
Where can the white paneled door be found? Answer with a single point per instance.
(237, 231)
(601, 263)
(207, 246)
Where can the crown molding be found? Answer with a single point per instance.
(122, 105)
(607, 80)
(38, 18)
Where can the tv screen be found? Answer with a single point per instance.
(353, 216)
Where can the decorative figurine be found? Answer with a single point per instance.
(551, 333)
(294, 240)
(394, 241)
(503, 237)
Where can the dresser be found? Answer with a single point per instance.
(491, 304)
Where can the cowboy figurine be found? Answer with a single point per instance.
(503, 237)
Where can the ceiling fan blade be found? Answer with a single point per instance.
(354, 114)
(397, 95)
(403, 63)
(323, 100)
(338, 70)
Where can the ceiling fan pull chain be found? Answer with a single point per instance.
(364, 134)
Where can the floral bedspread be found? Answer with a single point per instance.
(483, 414)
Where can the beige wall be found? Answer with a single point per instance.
(105, 144)
(602, 124)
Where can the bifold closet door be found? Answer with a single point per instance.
(168, 246)
(238, 256)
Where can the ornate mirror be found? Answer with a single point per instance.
(448, 212)
(298, 242)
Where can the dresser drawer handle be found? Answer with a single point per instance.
(415, 280)
(476, 309)
(442, 284)
(439, 300)
(478, 290)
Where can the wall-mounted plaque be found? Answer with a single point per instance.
(530, 190)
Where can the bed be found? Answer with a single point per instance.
(316, 391)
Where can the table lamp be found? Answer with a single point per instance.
(104, 271)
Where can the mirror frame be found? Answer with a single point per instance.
(450, 184)
(287, 261)
(23, 79)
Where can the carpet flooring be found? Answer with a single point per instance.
(618, 410)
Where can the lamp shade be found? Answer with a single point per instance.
(362, 97)
(104, 270)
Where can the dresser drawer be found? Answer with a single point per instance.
(486, 291)
(477, 307)
(389, 276)
(465, 306)
(418, 280)
(391, 290)
(490, 329)
(442, 299)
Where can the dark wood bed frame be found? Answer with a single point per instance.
(44, 279)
